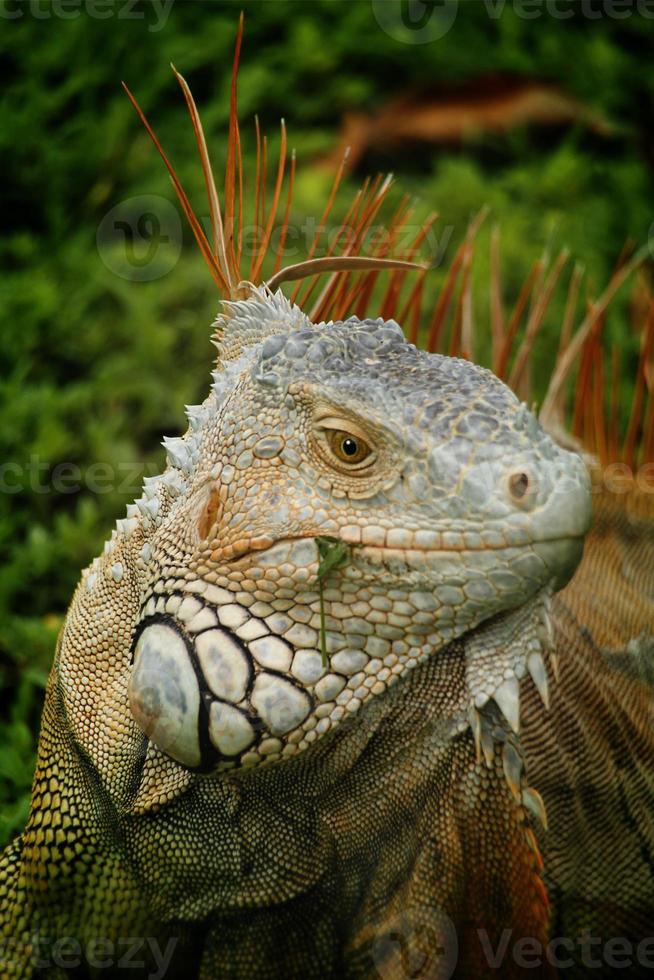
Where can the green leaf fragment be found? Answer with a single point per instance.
(332, 552)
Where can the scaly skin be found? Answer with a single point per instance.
(205, 781)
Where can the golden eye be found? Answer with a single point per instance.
(347, 447)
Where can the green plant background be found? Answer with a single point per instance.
(96, 367)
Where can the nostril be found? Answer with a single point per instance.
(519, 486)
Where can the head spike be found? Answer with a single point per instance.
(196, 227)
(265, 241)
(438, 319)
(212, 194)
(501, 367)
(565, 363)
(337, 263)
(495, 284)
(233, 151)
(326, 212)
(284, 227)
(636, 417)
(541, 301)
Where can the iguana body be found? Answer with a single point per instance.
(384, 820)
(249, 804)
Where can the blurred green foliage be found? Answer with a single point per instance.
(96, 367)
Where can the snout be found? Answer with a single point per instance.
(555, 491)
(540, 498)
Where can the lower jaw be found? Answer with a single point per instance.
(562, 556)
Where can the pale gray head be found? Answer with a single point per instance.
(454, 504)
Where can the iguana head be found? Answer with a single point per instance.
(453, 503)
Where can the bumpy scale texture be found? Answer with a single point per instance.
(269, 773)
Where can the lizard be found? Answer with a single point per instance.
(207, 782)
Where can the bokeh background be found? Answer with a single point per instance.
(544, 111)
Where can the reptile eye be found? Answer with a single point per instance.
(347, 447)
(344, 443)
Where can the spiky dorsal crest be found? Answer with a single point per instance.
(246, 322)
(345, 281)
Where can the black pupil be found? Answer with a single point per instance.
(350, 447)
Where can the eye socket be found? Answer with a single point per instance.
(344, 444)
(347, 447)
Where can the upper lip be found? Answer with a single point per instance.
(482, 539)
(434, 542)
(478, 546)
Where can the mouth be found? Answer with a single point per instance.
(409, 544)
(530, 565)
(468, 544)
(548, 558)
(400, 539)
(559, 554)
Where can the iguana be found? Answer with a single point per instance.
(215, 798)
